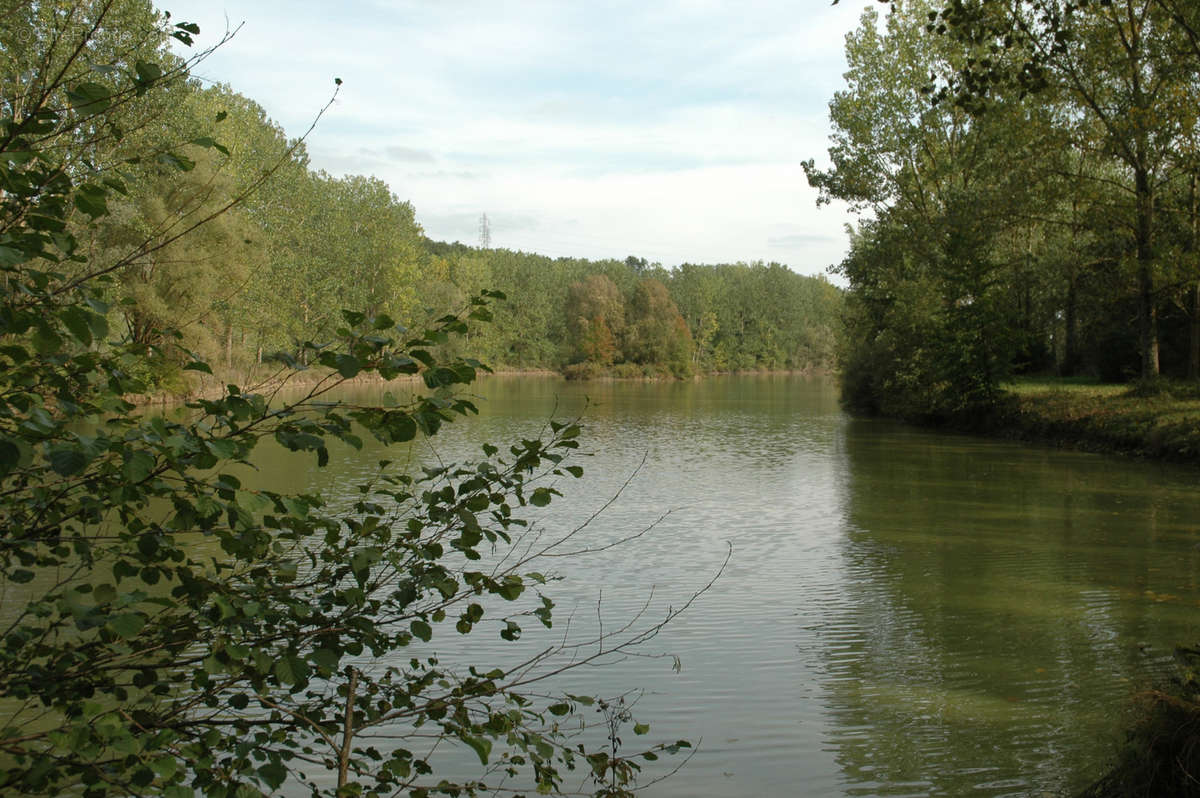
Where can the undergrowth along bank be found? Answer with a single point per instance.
(1161, 422)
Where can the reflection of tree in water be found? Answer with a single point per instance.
(997, 602)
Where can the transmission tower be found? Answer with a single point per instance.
(485, 232)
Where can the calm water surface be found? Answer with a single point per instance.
(904, 613)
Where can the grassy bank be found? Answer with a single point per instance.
(1161, 423)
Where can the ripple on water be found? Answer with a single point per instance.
(903, 613)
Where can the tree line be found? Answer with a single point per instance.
(288, 246)
(632, 317)
(1027, 176)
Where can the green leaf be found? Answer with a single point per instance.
(222, 448)
(45, 340)
(138, 466)
(92, 200)
(89, 98)
(511, 631)
(127, 625)
(11, 257)
(348, 365)
(67, 460)
(421, 630)
(10, 456)
(210, 143)
(147, 72)
(481, 746)
(273, 774)
(165, 767)
(78, 323)
(326, 659)
(400, 428)
(291, 670)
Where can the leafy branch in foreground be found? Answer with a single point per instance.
(170, 629)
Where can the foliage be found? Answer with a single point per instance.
(596, 317)
(1028, 170)
(647, 330)
(582, 314)
(657, 333)
(930, 332)
(170, 629)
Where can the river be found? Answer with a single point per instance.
(903, 612)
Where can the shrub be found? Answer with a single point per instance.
(171, 630)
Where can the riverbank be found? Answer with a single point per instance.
(1164, 425)
(637, 372)
(204, 386)
(212, 387)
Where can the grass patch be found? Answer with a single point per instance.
(1083, 385)
(1163, 423)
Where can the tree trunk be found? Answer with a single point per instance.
(304, 352)
(1071, 350)
(1071, 355)
(1147, 314)
(1193, 371)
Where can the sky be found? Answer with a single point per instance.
(671, 130)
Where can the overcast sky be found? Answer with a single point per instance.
(669, 130)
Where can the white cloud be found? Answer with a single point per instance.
(708, 214)
(673, 130)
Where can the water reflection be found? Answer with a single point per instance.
(905, 613)
(999, 603)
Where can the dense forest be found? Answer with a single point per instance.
(290, 246)
(631, 317)
(1027, 176)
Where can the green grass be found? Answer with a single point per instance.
(1161, 422)
(1029, 386)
